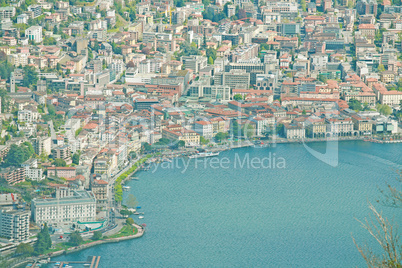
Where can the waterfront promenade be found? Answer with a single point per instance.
(22, 262)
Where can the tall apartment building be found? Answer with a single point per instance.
(13, 175)
(7, 12)
(32, 171)
(28, 116)
(19, 59)
(34, 33)
(14, 225)
(204, 128)
(233, 79)
(365, 7)
(195, 63)
(100, 189)
(63, 152)
(244, 52)
(36, 10)
(42, 145)
(66, 207)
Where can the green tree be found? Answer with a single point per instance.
(76, 238)
(303, 5)
(355, 105)
(211, 53)
(30, 76)
(24, 249)
(146, 146)
(43, 242)
(280, 129)
(76, 159)
(381, 68)
(210, 61)
(6, 69)
(248, 130)
(5, 100)
(236, 129)
(78, 131)
(49, 41)
(322, 78)
(237, 97)
(220, 136)
(181, 144)
(97, 235)
(132, 155)
(126, 212)
(58, 162)
(131, 201)
(385, 110)
(129, 221)
(203, 140)
(18, 154)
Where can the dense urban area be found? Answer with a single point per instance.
(91, 91)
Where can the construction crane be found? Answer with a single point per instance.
(169, 10)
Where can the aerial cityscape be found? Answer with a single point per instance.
(200, 133)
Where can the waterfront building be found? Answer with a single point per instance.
(339, 126)
(100, 189)
(363, 125)
(14, 225)
(315, 127)
(294, 131)
(204, 128)
(68, 206)
(177, 132)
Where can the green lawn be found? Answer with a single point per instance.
(125, 231)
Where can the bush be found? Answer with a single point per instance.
(97, 235)
(130, 221)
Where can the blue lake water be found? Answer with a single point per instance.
(298, 215)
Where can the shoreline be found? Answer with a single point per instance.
(141, 229)
(139, 234)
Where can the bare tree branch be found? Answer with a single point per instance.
(386, 236)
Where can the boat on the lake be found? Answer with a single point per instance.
(204, 154)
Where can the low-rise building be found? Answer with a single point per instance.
(61, 172)
(294, 131)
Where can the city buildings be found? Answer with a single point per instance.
(14, 225)
(13, 175)
(61, 172)
(34, 33)
(67, 206)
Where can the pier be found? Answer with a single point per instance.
(93, 261)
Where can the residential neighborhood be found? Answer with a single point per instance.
(91, 89)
